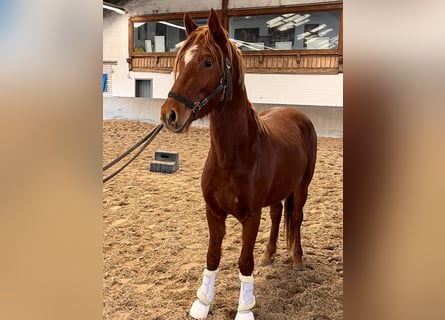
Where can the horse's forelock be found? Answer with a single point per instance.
(203, 37)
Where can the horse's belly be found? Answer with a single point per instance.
(268, 182)
(287, 176)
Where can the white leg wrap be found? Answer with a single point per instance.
(246, 299)
(206, 292)
(200, 308)
(244, 315)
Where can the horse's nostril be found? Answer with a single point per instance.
(172, 116)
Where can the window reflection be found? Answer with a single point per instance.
(160, 36)
(290, 31)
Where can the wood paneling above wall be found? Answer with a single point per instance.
(291, 63)
(153, 63)
(253, 63)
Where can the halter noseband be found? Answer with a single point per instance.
(225, 84)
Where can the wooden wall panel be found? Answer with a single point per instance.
(152, 63)
(267, 63)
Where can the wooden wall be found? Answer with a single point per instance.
(253, 63)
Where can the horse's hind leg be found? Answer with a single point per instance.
(299, 200)
(271, 246)
(299, 197)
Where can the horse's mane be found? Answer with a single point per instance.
(203, 34)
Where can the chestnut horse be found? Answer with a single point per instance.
(254, 160)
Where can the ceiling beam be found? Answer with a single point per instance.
(113, 7)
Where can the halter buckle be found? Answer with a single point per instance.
(197, 106)
(228, 65)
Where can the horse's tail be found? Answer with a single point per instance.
(311, 151)
(289, 221)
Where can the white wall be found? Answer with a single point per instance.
(162, 82)
(115, 48)
(292, 89)
(295, 89)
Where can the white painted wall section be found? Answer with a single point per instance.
(303, 90)
(295, 89)
(115, 48)
(162, 82)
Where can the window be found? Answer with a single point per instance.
(160, 36)
(287, 31)
(144, 88)
(289, 39)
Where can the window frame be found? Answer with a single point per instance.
(150, 80)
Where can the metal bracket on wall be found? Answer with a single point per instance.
(298, 60)
(129, 61)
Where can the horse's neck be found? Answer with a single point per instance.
(233, 129)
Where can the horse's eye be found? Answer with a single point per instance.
(208, 64)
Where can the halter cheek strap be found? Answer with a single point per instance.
(225, 84)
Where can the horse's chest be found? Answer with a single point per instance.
(230, 203)
(230, 193)
(229, 198)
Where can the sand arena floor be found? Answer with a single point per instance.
(155, 237)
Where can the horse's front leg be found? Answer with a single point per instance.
(246, 264)
(216, 220)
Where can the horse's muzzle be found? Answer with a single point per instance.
(171, 116)
(173, 121)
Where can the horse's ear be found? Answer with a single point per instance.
(216, 28)
(189, 24)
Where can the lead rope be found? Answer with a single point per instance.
(147, 139)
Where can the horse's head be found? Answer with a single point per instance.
(203, 75)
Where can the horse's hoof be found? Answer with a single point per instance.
(199, 310)
(265, 262)
(244, 315)
(298, 266)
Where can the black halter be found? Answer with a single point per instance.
(225, 84)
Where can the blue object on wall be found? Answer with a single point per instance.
(104, 82)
